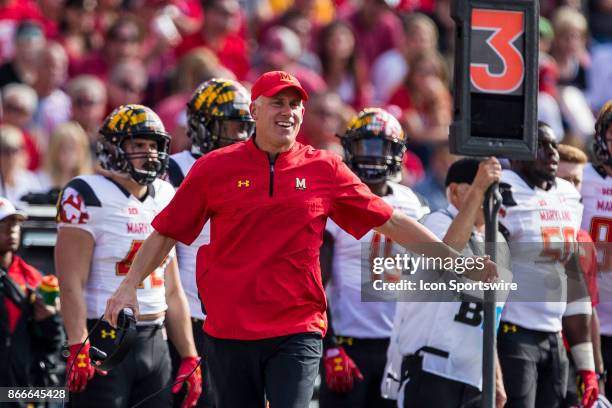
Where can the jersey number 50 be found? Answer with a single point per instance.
(559, 243)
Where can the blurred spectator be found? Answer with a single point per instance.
(88, 99)
(19, 102)
(68, 156)
(376, 28)
(569, 47)
(323, 122)
(197, 66)
(126, 84)
(107, 12)
(413, 171)
(53, 103)
(15, 179)
(220, 34)
(300, 24)
(549, 110)
(565, 82)
(185, 16)
(344, 69)
(546, 33)
(446, 27)
(165, 22)
(600, 73)
(12, 13)
(29, 40)
(280, 51)
(123, 42)
(77, 29)
(390, 68)
(432, 187)
(51, 11)
(424, 99)
(273, 12)
(600, 13)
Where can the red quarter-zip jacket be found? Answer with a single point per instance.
(260, 276)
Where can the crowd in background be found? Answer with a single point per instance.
(64, 64)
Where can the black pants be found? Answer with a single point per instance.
(427, 390)
(370, 356)
(206, 399)
(281, 369)
(534, 366)
(144, 370)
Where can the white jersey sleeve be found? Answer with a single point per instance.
(119, 224)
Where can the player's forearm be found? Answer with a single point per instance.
(150, 255)
(74, 313)
(413, 236)
(577, 328)
(178, 323)
(460, 230)
(73, 254)
(596, 340)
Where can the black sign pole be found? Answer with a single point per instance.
(495, 112)
(492, 203)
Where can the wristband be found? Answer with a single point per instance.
(582, 354)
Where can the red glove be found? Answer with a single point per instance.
(189, 365)
(339, 370)
(79, 368)
(588, 387)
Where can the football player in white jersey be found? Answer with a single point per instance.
(102, 222)
(217, 115)
(435, 355)
(540, 217)
(572, 162)
(597, 221)
(357, 340)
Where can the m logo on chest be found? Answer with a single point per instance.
(300, 183)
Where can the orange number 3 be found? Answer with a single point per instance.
(506, 27)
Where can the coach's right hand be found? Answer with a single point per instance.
(78, 367)
(124, 297)
(339, 370)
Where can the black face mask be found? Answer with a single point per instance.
(374, 159)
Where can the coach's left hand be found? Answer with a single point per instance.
(588, 387)
(190, 374)
(124, 297)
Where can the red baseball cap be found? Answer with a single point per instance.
(272, 82)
